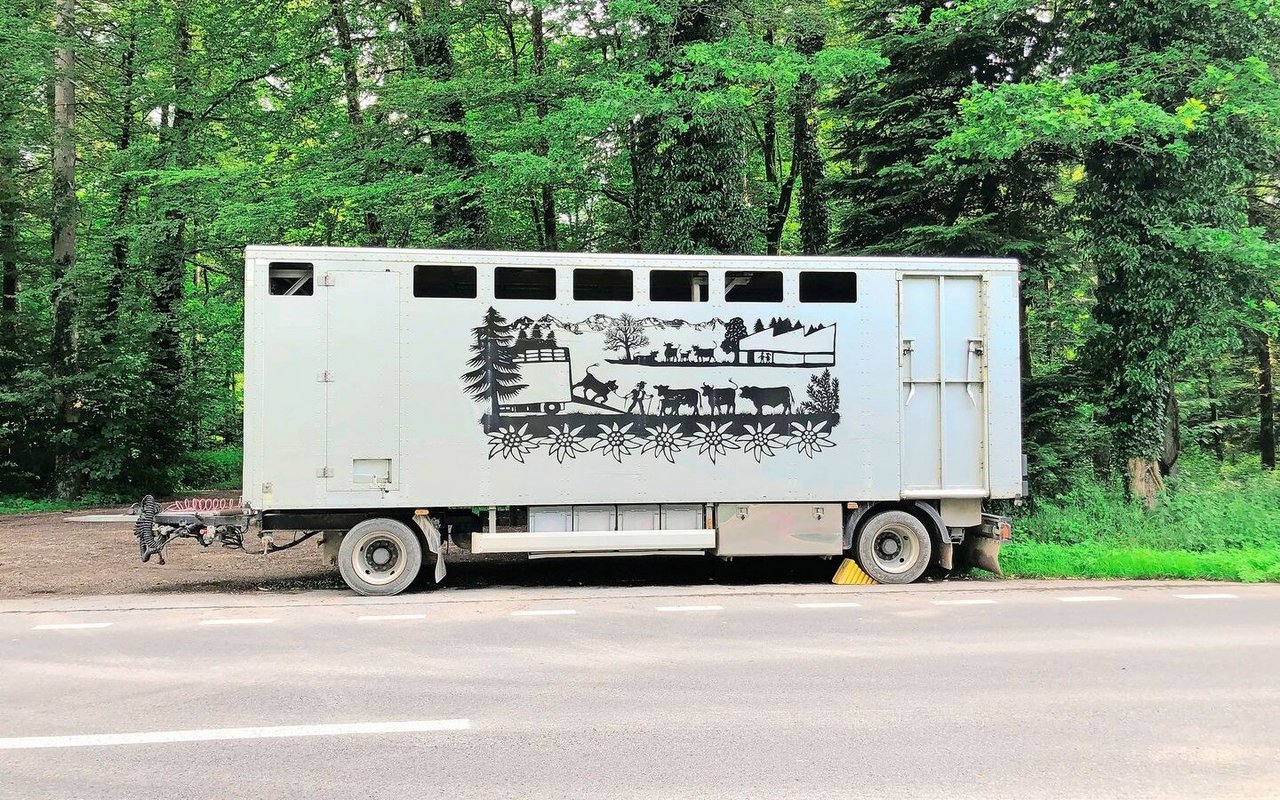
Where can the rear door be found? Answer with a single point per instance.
(944, 413)
(363, 380)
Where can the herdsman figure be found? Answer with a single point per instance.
(637, 396)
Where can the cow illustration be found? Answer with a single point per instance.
(590, 385)
(704, 353)
(768, 397)
(674, 399)
(670, 351)
(720, 398)
(684, 355)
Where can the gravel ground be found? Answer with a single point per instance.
(41, 554)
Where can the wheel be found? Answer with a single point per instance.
(894, 547)
(552, 408)
(379, 557)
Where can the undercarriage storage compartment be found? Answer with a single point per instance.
(603, 529)
(757, 529)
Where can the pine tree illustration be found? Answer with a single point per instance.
(494, 376)
(824, 394)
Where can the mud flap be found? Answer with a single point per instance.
(432, 534)
(984, 552)
(946, 555)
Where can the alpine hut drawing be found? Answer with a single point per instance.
(782, 345)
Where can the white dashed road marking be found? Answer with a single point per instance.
(1207, 596)
(70, 626)
(690, 608)
(828, 605)
(390, 617)
(239, 621)
(543, 612)
(970, 601)
(1088, 598)
(223, 734)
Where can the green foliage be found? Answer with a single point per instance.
(1218, 523)
(1207, 510)
(219, 468)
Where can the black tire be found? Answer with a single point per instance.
(893, 547)
(379, 557)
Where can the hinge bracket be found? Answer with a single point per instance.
(325, 377)
(324, 472)
(326, 279)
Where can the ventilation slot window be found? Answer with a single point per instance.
(602, 284)
(290, 279)
(433, 280)
(753, 287)
(678, 286)
(524, 283)
(828, 287)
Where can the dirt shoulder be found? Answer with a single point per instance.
(42, 555)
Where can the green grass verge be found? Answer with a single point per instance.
(1045, 560)
(1215, 522)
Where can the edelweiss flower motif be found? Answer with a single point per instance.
(664, 441)
(809, 438)
(713, 440)
(615, 441)
(512, 443)
(760, 440)
(564, 442)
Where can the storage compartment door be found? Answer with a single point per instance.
(944, 380)
(363, 380)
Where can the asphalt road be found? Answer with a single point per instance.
(948, 691)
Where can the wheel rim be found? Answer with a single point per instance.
(896, 549)
(378, 558)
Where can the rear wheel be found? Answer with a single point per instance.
(379, 557)
(894, 547)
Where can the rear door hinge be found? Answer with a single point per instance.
(325, 377)
(326, 279)
(324, 472)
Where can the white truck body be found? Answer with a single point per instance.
(361, 394)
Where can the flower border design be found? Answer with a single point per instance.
(663, 440)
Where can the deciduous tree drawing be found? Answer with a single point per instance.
(624, 333)
(735, 330)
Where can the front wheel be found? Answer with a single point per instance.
(894, 547)
(379, 557)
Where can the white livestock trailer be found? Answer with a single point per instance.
(615, 404)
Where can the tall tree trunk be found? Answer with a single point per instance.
(351, 94)
(9, 204)
(65, 340)
(120, 241)
(171, 268)
(429, 48)
(815, 218)
(1266, 403)
(1172, 447)
(541, 105)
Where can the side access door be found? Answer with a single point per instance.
(362, 378)
(944, 386)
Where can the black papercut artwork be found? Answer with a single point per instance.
(636, 400)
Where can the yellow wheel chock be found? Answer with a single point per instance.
(850, 574)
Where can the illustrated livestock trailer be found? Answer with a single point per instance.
(624, 404)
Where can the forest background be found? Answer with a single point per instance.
(1128, 153)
